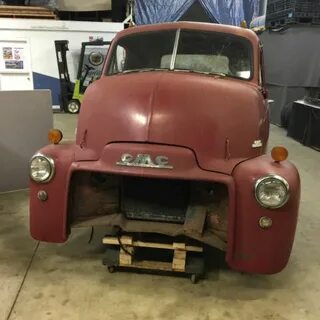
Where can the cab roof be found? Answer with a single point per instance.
(213, 27)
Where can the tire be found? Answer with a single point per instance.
(73, 106)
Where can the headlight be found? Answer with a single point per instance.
(41, 168)
(272, 191)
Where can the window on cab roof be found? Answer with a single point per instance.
(183, 50)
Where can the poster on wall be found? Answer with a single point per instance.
(13, 57)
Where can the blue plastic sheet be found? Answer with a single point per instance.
(224, 11)
(157, 11)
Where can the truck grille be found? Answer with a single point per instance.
(154, 199)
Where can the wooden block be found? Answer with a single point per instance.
(110, 240)
(26, 12)
(180, 254)
(181, 246)
(152, 265)
(178, 266)
(127, 240)
(194, 249)
(155, 245)
(125, 261)
(179, 260)
(23, 8)
(125, 258)
(143, 244)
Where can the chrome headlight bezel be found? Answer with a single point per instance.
(51, 164)
(266, 178)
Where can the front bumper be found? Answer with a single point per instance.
(249, 248)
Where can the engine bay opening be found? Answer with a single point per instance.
(196, 209)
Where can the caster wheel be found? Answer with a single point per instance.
(194, 278)
(111, 269)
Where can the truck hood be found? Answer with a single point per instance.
(217, 118)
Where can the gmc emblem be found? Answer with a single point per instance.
(145, 161)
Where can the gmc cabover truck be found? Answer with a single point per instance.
(172, 140)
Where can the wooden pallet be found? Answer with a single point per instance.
(128, 245)
(26, 12)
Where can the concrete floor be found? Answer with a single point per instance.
(48, 281)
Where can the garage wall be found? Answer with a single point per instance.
(291, 63)
(41, 34)
(25, 118)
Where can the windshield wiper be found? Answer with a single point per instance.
(220, 74)
(142, 70)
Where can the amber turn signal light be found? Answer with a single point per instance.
(55, 136)
(279, 154)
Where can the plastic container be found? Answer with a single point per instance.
(283, 12)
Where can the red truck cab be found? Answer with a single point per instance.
(172, 140)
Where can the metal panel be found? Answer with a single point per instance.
(26, 117)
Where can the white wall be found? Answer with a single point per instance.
(41, 35)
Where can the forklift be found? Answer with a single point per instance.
(90, 67)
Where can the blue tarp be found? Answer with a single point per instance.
(223, 11)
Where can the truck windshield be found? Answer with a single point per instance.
(183, 50)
